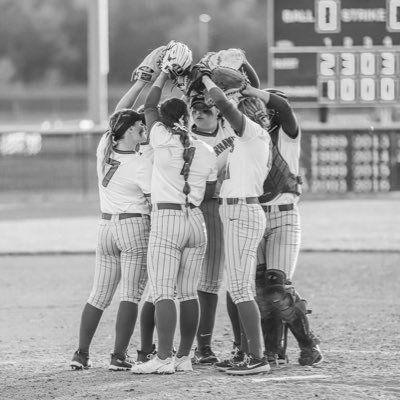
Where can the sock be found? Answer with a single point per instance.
(166, 317)
(250, 318)
(147, 325)
(89, 322)
(208, 307)
(189, 322)
(125, 324)
(234, 317)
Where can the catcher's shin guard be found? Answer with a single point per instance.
(294, 314)
(270, 292)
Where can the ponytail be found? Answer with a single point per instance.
(109, 143)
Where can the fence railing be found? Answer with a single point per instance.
(332, 161)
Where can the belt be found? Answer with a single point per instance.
(237, 200)
(122, 216)
(173, 206)
(282, 207)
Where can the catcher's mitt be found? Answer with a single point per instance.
(177, 59)
(150, 67)
(228, 78)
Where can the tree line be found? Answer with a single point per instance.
(45, 41)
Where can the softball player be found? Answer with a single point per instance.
(243, 221)
(279, 249)
(124, 179)
(210, 127)
(177, 244)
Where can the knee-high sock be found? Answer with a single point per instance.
(189, 322)
(124, 326)
(89, 322)
(147, 325)
(208, 307)
(234, 317)
(250, 318)
(166, 317)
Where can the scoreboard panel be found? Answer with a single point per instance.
(336, 51)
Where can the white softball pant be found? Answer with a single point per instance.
(244, 225)
(212, 271)
(280, 244)
(120, 256)
(177, 245)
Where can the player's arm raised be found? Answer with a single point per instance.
(228, 110)
(287, 116)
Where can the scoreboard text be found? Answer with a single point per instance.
(336, 51)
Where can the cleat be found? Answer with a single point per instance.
(155, 366)
(276, 360)
(119, 363)
(204, 356)
(143, 357)
(236, 357)
(183, 364)
(249, 366)
(311, 355)
(80, 360)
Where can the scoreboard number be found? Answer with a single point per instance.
(393, 20)
(367, 64)
(327, 16)
(327, 64)
(348, 64)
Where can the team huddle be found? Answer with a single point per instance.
(194, 189)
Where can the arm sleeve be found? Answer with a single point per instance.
(286, 115)
(150, 107)
(231, 114)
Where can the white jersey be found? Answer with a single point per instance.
(167, 180)
(222, 143)
(248, 163)
(125, 181)
(290, 151)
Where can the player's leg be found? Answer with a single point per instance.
(210, 282)
(132, 235)
(168, 234)
(106, 278)
(243, 229)
(271, 321)
(283, 241)
(187, 283)
(147, 326)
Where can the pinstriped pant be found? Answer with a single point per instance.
(244, 225)
(280, 246)
(120, 256)
(213, 265)
(177, 245)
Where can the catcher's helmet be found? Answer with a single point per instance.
(272, 113)
(255, 109)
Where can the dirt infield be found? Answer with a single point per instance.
(355, 312)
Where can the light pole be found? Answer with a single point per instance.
(98, 65)
(204, 19)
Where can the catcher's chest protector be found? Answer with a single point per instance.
(279, 179)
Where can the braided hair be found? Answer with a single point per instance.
(175, 116)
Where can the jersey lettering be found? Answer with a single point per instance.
(223, 145)
(110, 173)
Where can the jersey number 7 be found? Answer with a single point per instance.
(114, 166)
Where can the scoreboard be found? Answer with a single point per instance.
(335, 52)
